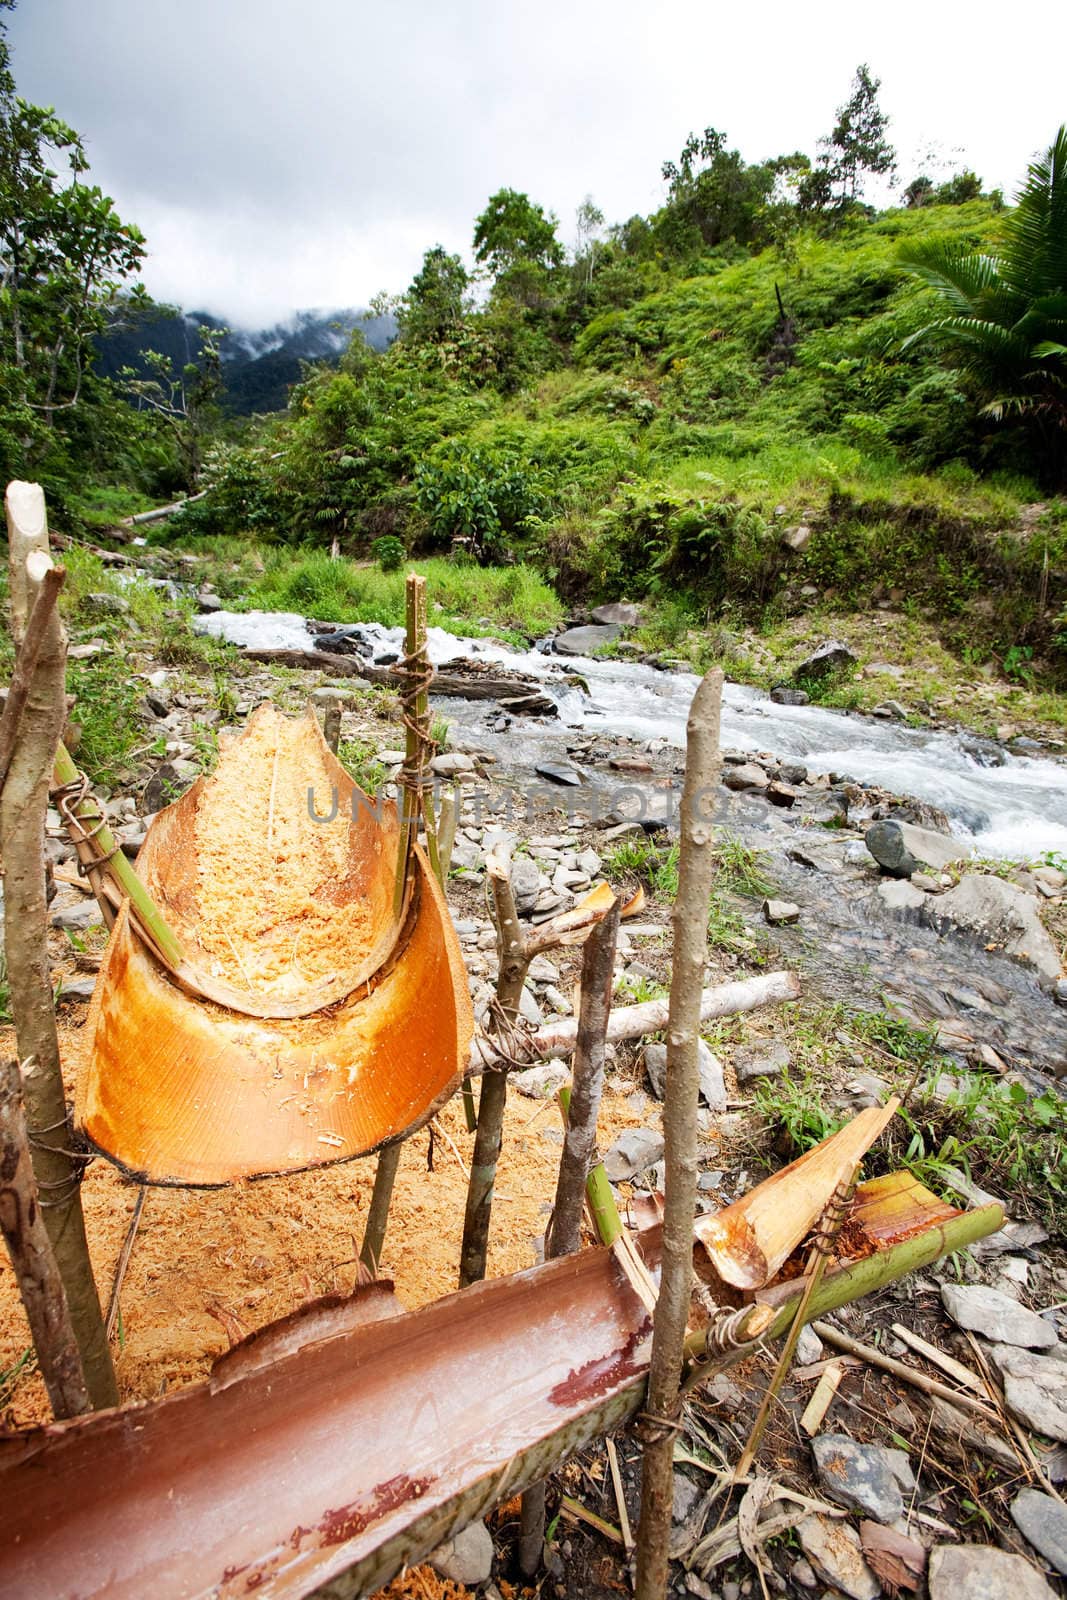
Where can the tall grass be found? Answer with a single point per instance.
(512, 601)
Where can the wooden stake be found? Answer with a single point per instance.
(598, 969)
(26, 665)
(417, 734)
(511, 976)
(32, 1258)
(563, 1234)
(690, 927)
(23, 807)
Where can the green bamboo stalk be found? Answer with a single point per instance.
(597, 1188)
(118, 867)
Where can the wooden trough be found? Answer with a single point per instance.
(347, 1023)
(329, 1450)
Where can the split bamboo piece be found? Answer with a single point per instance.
(750, 1240)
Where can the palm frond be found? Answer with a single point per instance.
(961, 276)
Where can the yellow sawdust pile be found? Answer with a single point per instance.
(273, 914)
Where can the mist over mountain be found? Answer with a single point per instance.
(259, 365)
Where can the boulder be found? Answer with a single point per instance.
(996, 1316)
(745, 776)
(980, 1572)
(858, 1476)
(1043, 1521)
(901, 849)
(583, 641)
(991, 911)
(620, 612)
(450, 762)
(831, 656)
(783, 694)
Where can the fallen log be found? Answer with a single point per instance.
(559, 1038)
(330, 1449)
(160, 512)
(460, 685)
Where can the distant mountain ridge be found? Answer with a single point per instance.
(259, 366)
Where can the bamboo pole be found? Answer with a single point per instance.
(412, 792)
(39, 1281)
(681, 1098)
(23, 808)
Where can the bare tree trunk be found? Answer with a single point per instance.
(30, 1249)
(598, 969)
(23, 806)
(511, 976)
(690, 926)
(26, 664)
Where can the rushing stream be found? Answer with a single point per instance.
(1017, 808)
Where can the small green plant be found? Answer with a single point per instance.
(361, 764)
(389, 552)
(1018, 663)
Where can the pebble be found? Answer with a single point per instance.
(858, 1476)
(763, 1060)
(633, 1152)
(777, 912)
(86, 914)
(996, 1316)
(980, 1572)
(712, 1087)
(1043, 1521)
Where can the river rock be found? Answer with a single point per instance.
(833, 1548)
(466, 1558)
(712, 1087)
(780, 911)
(542, 1081)
(622, 613)
(764, 1060)
(564, 772)
(745, 776)
(525, 882)
(106, 605)
(583, 641)
(780, 794)
(1043, 1521)
(901, 848)
(857, 1476)
(797, 538)
(165, 785)
(466, 855)
(994, 912)
(902, 898)
(1035, 1388)
(77, 918)
(632, 1154)
(783, 694)
(450, 762)
(830, 656)
(980, 1572)
(996, 1316)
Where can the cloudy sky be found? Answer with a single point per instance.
(282, 156)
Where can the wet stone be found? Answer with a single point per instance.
(783, 694)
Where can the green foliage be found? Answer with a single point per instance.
(857, 145)
(389, 552)
(482, 499)
(185, 401)
(461, 595)
(105, 709)
(360, 762)
(434, 305)
(513, 231)
(1005, 315)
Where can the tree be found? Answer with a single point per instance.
(1004, 318)
(857, 145)
(513, 230)
(186, 400)
(716, 193)
(64, 253)
(588, 221)
(434, 305)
